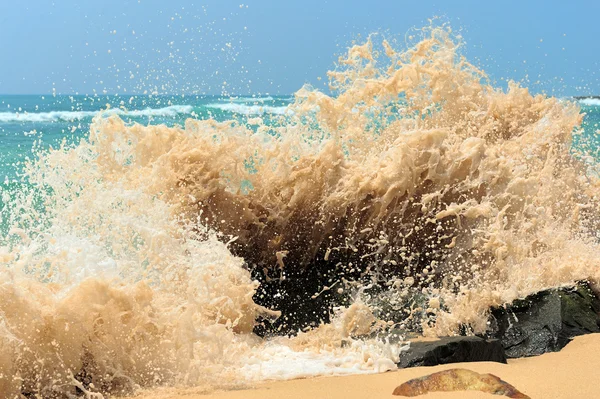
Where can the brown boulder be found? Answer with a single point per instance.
(458, 380)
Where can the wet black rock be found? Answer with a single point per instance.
(452, 350)
(546, 321)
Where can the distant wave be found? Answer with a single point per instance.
(69, 116)
(594, 102)
(251, 99)
(249, 109)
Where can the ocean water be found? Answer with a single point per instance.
(210, 243)
(28, 122)
(589, 139)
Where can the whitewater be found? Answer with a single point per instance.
(215, 254)
(78, 115)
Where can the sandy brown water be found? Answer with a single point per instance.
(140, 257)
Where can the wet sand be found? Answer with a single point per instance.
(572, 373)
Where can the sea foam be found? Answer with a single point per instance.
(244, 109)
(68, 116)
(256, 99)
(133, 259)
(593, 102)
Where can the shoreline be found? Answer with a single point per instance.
(571, 373)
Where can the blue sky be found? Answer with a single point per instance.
(275, 46)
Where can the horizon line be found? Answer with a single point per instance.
(258, 95)
(142, 94)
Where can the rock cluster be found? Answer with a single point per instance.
(540, 323)
(452, 350)
(546, 321)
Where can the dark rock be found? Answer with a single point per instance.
(546, 321)
(452, 350)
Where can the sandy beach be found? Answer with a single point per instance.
(572, 373)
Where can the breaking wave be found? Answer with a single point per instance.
(256, 99)
(244, 109)
(69, 116)
(594, 102)
(416, 197)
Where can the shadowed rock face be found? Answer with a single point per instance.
(546, 321)
(458, 380)
(452, 350)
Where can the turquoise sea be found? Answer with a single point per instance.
(29, 122)
(305, 235)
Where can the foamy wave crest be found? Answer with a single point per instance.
(148, 255)
(593, 102)
(249, 109)
(251, 99)
(68, 116)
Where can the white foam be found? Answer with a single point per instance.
(152, 296)
(279, 362)
(68, 116)
(593, 102)
(251, 99)
(249, 109)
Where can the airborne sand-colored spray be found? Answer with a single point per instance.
(417, 176)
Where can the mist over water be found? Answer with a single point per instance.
(289, 240)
